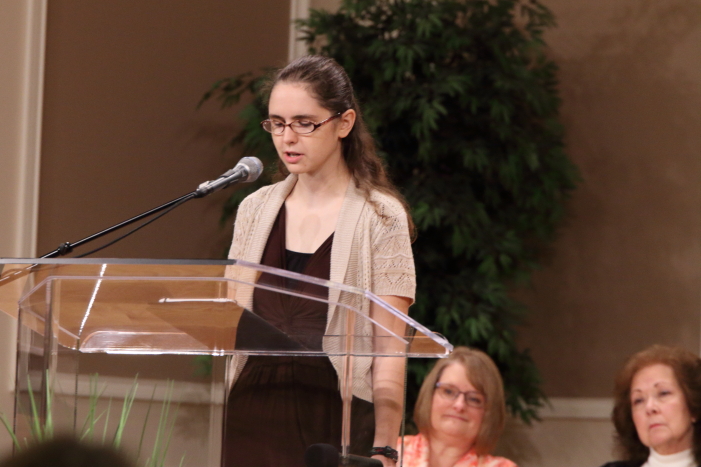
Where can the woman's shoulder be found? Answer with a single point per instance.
(412, 446)
(389, 205)
(262, 194)
(411, 440)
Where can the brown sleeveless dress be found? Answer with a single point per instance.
(279, 406)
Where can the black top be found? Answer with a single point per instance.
(623, 464)
(279, 406)
(296, 261)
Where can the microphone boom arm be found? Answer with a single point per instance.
(247, 170)
(66, 248)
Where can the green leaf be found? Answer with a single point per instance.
(462, 100)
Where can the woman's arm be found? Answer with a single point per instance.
(388, 374)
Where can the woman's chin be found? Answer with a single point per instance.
(294, 168)
(454, 428)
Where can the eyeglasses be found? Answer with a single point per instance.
(301, 127)
(449, 392)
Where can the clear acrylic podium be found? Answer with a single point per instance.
(145, 351)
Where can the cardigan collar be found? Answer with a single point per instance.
(268, 213)
(348, 218)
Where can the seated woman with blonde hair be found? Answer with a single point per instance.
(460, 414)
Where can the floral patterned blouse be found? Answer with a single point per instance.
(416, 455)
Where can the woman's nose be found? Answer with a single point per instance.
(651, 405)
(459, 403)
(288, 135)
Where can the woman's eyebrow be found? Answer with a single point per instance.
(295, 117)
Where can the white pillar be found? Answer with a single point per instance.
(22, 45)
(299, 9)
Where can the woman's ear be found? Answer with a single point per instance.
(347, 120)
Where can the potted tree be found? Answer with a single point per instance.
(462, 100)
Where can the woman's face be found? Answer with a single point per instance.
(314, 153)
(455, 418)
(660, 413)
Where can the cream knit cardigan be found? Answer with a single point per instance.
(370, 250)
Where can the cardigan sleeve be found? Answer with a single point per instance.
(238, 245)
(241, 228)
(247, 217)
(392, 259)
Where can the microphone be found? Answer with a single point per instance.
(247, 170)
(325, 455)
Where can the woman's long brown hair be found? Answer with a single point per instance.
(330, 85)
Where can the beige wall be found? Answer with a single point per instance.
(328, 5)
(194, 408)
(121, 132)
(11, 75)
(121, 135)
(626, 270)
(21, 56)
(557, 442)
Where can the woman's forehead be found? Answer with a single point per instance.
(653, 375)
(293, 99)
(454, 371)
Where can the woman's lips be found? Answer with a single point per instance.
(291, 157)
(464, 419)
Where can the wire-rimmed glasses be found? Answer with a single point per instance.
(301, 127)
(450, 392)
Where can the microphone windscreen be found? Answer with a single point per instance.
(321, 455)
(254, 167)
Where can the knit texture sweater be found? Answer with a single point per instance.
(371, 250)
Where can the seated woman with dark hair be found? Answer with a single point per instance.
(460, 414)
(658, 408)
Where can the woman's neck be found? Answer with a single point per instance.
(446, 451)
(312, 209)
(320, 187)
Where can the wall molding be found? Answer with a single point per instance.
(580, 408)
(113, 387)
(299, 9)
(30, 129)
(577, 408)
(22, 53)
